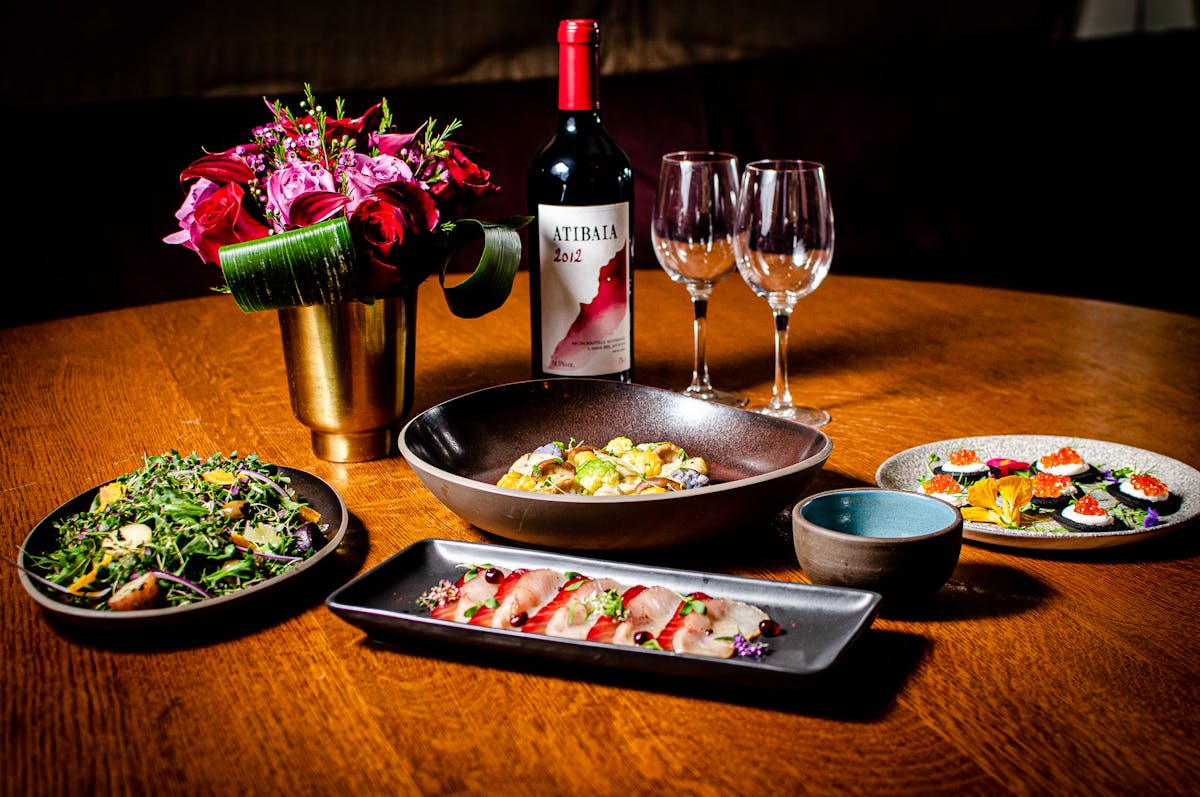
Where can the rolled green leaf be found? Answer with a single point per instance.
(491, 282)
(297, 268)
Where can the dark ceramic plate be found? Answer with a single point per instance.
(319, 494)
(819, 622)
(759, 465)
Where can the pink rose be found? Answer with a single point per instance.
(213, 216)
(293, 180)
(367, 173)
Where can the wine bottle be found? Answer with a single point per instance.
(581, 255)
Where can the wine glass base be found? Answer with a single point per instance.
(809, 416)
(717, 396)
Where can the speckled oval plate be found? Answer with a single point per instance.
(903, 471)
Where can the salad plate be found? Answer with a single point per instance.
(819, 623)
(903, 471)
(319, 494)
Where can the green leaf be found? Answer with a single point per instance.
(306, 266)
(490, 283)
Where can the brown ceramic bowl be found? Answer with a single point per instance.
(460, 448)
(900, 544)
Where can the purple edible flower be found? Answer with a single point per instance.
(1151, 518)
(744, 647)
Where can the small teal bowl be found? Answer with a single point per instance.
(902, 545)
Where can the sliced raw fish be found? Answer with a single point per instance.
(605, 626)
(711, 633)
(471, 591)
(650, 611)
(533, 590)
(482, 612)
(575, 617)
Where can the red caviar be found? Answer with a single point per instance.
(1063, 456)
(1047, 485)
(963, 456)
(942, 483)
(1148, 484)
(1088, 505)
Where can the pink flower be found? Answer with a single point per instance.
(366, 174)
(289, 182)
(212, 216)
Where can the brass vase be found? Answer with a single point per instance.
(350, 373)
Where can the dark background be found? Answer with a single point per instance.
(965, 142)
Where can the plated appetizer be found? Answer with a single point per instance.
(964, 465)
(1068, 462)
(1051, 491)
(1054, 492)
(619, 467)
(1143, 491)
(177, 531)
(945, 487)
(1087, 514)
(570, 605)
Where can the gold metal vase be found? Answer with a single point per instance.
(350, 373)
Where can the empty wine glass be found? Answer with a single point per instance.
(784, 244)
(692, 233)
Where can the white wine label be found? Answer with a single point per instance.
(585, 286)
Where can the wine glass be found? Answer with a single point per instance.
(784, 243)
(692, 233)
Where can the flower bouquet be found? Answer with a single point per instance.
(319, 209)
(333, 222)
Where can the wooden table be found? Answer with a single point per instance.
(1033, 673)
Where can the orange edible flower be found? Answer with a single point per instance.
(113, 491)
(1000, 501)
(1148, 484)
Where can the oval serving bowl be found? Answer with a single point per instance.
(460, 448)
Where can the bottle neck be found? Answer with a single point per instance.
(578, 77)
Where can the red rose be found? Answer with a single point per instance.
(394, 215)
(213, 216)
(465, 183)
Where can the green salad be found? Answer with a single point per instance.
(178, 530)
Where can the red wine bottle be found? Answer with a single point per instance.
(581, 242)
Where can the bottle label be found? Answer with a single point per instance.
(585, 285)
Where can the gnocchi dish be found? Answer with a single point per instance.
(619, 467)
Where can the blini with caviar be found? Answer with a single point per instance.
(1143, 491)
(1086, 514)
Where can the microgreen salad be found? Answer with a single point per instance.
(178, 530)
(569, 605)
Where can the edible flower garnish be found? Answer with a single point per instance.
(1005, 466)
(747, 649)
(438, 595)
(1000, 501)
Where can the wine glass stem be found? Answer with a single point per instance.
(700, 380)
(781, 397)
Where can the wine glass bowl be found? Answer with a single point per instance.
(783, 244)
(692, 232)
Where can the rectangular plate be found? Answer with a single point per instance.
(819, 622)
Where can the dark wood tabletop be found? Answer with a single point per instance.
(1073, 672)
